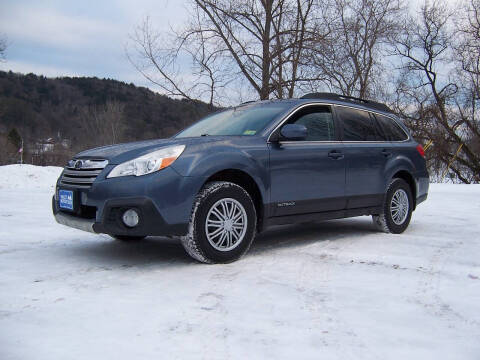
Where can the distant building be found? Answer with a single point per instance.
(51, 151)
(48, 145)
(43, 146)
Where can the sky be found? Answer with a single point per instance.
(82, 37)
(79, 38)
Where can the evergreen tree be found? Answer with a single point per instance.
(14, 138)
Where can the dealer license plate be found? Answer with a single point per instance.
(65, 199)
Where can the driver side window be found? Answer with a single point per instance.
(319, 123)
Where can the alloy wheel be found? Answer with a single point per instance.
(226, 224)
(399, 206)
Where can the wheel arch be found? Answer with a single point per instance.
(410, 180)
(246, 181)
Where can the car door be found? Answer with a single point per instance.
(366, 156)
(308, 176)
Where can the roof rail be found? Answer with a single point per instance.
(350, 99)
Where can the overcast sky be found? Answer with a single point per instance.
(81, 37)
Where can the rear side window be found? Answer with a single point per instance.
(357, 124)
(392, 131)
(319, 123)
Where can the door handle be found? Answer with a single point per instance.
(335, 155)
(386, 153)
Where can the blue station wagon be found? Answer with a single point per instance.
(240, 170)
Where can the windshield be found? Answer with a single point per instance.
(244, 120)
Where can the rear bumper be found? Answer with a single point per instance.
(422, 181)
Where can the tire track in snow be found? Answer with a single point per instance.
(324, 260)
(428, 295)
(211, 310)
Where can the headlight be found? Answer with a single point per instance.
(146, 164)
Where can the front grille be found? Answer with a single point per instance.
(82, 173)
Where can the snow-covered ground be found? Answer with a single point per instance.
(332, 290)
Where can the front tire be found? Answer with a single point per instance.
(222, 225)
(397, 208)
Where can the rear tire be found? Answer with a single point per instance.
(127, 238)
(397, 208)
(222, 224)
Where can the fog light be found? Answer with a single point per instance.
(130, 218)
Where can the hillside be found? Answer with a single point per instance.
(58, 117)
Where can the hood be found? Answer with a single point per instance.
(119, 153)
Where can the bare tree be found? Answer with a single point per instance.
(298, 28)
(3, 48)
(467, 48)
(106, 122)
(430, 99)
(467, 77)
(157, 59)
(9, 153)
(350, 61)
(260, 42)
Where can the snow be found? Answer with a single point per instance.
(331, 290)
(28, 176)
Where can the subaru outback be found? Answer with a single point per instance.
(236, 172)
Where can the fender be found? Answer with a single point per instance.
(226, 155)
(398, 163)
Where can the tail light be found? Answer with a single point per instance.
(420, 150)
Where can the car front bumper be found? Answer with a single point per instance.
(163, 201)
(74, 221)
(151, 221)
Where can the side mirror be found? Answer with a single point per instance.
(294, 132)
